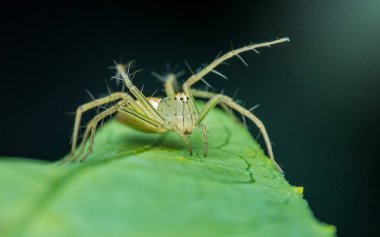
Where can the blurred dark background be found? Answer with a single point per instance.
(319, 94)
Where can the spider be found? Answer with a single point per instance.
(176, 112)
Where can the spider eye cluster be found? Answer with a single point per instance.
(182, 97)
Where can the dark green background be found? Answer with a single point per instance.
(319, 94)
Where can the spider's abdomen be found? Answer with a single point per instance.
(176, 110)
(134, 120)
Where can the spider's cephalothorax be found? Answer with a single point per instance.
(176, 112)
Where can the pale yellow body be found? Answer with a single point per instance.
(175, 109)
(177, 112)
(136, 122)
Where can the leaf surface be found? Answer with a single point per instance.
(137, 184)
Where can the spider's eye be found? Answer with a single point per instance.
(175, 98)
(187, 98)
(181, 98)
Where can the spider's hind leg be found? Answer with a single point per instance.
(171, 84)
(91, 129)
(90, 105)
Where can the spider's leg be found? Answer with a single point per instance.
(120, 107)
(171, 87)
(171, 84)
(198, 76)
(91, 127)
(187, 142)
(208, 95)
(204, 138)
(210, 68)
(228, 101)
(83, 108)
(149, 108)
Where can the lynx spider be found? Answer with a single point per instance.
(176, 112)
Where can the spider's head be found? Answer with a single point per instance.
(181, 97)
(177, 113)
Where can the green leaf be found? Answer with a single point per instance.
(137, 184)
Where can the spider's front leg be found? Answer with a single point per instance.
(146, 105)
(229, 101)
(210, 68)
(208, 95)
